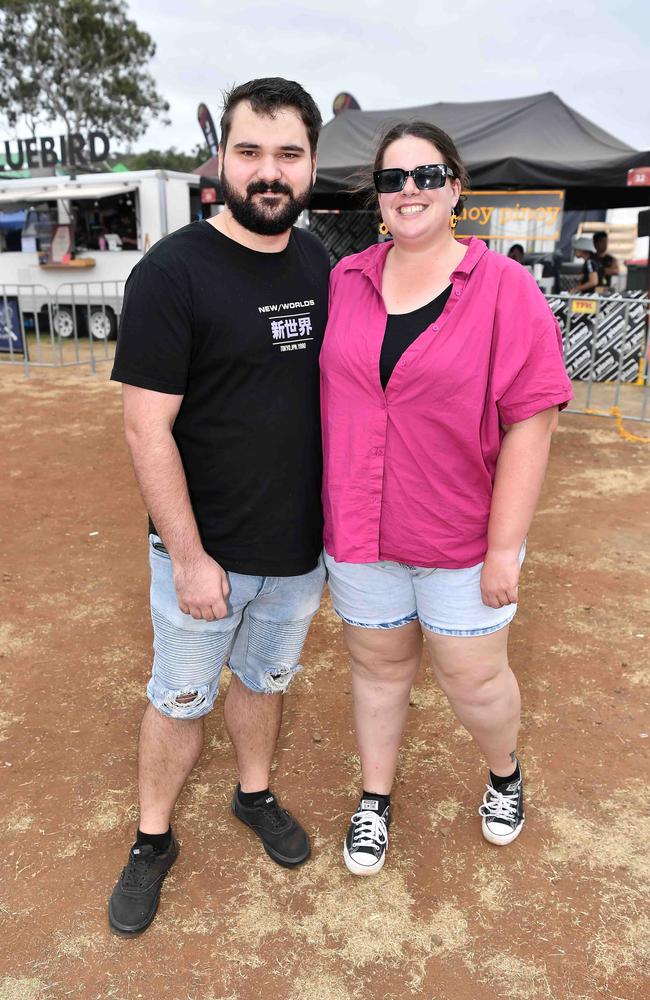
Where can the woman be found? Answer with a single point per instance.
(442, 376)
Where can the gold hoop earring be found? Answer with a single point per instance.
(453, 222)
(383, 229)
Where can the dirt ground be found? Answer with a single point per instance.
(562, 913)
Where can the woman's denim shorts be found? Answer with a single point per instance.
(389, 594)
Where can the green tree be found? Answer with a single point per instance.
(77, 61)
(163, 159)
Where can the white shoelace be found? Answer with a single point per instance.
(497, 805)
(369, 830)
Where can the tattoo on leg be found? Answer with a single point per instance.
(513, 756)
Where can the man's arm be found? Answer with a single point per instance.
(201, 584)
(517, 484)
(612, 267)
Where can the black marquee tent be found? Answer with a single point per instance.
(524, 142)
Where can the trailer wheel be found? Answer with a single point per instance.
(102, 324)
(63, 322)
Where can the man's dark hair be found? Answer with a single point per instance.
(266, 97)
(602, 235)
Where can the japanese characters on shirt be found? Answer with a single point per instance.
(293, 330)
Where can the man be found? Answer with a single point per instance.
(218, 352)
(516, 252)
(607, 265)
(589, 277)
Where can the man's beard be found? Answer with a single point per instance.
(270, 219)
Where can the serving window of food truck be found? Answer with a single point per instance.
(108, 223)
(95, 218)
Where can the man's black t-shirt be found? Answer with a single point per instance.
(237, 333)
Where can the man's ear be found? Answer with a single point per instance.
(314, 167)
(220, 155)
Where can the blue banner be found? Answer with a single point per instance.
(11, 336)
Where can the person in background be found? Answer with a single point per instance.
(589, 280)
(607, 265)
(441, 379)
(125, 228)
(516, 252)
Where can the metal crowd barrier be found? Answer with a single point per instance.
(606, 352)
(75, 325)
(605, 338)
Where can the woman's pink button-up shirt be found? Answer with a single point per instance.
(408, 472)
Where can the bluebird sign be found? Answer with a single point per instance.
(11, 334)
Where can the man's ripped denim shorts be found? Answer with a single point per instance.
(261, 637)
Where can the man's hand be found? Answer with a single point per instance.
(201, 588)
(500, 579)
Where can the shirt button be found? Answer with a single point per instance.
(434, 328)
(457, 292)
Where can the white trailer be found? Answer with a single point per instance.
(84, 295)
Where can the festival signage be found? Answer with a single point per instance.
(516, 216)
(11, 334)
(208, 129)
(638, 177)
(588, 306)
(344, 102)
(71, 150)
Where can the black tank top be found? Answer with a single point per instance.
(403, 328)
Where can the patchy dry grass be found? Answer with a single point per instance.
(110, 810)
(316, 985)
(610, 482)
(6, 721)
(513, 977)
(21, 989)
(617, 840)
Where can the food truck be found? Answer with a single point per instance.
(67, 245)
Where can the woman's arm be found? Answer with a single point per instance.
(517, 484)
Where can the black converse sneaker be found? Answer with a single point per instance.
(283, 838)
(366, 843)
(135, 898)
(503, 812)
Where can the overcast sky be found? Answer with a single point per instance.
(401, 53)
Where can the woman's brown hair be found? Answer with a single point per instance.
(421, 130)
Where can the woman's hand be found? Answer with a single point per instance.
(500, 579)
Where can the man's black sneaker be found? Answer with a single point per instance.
(366, 843)
(283, 838)
(135, 898)
(503, 812)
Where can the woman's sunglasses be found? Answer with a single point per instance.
(426, 178)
